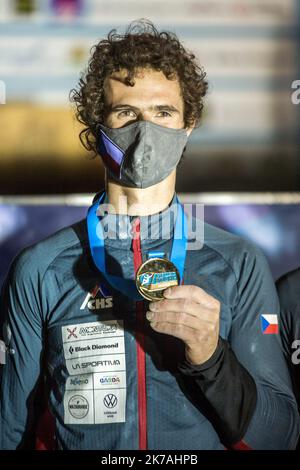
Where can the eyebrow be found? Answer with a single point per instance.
(158, 107)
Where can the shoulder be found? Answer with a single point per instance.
(239, 253)
(288, 287)
(33, 261)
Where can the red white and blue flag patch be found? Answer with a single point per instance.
(269, 324)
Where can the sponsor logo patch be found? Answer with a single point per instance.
(109, 363)
(97, 299)
(95, 390)
(94, 330)
(97, 380)
(78, 406)
(107, 380)
(110, 400)
(89, 347)
(71, 333)
(80, 382)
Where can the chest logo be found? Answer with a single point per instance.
(72, 332)
(97, 299)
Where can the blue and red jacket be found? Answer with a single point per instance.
(109, 380)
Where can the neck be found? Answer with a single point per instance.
(133, 201)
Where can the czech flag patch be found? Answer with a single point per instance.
(269, 324)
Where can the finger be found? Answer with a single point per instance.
(177, 305)
(184, 332)
(191, 292)
(182, 307)
(177, 318)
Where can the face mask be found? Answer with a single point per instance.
(141, 154)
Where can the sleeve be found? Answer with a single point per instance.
(246, 382)
(288, 287)
(21, 331)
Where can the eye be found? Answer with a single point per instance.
(164, 114)
(126, 113)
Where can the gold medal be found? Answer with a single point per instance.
(154, 276)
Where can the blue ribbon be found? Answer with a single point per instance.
(96, 241)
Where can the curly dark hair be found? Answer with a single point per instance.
(142, 46)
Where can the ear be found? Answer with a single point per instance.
(189, 129)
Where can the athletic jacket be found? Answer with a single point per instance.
(289, 295)
(114, 383)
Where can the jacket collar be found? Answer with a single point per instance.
(154, 229)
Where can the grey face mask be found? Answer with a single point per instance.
(141, 154)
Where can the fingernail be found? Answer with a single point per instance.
(167, 292)
(149, 315)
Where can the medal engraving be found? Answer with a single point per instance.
(154, 276)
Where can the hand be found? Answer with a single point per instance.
(188, 313)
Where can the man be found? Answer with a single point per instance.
(288, 287)
(190, 371)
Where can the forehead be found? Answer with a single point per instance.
(150, 86)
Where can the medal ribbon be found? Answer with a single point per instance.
(96, 242)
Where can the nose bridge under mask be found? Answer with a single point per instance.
(143, 146)
(139, 157)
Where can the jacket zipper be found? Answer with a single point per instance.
(140, 344)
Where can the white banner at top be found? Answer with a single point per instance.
(196, 12)
(170, 12)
